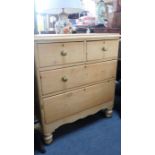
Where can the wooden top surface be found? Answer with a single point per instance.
(63, 37)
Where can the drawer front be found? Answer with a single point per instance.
(62, 79)
(70, 103)
(102, 49)
(60, 53)
(101, 71)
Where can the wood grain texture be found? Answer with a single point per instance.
(52, 54)
(102, 49)
(100, 71)
(75, 77)
(52, 81)
(69, 103)
(48, 68)
(48, 38)
(50, 128)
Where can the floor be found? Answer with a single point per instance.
(94, 135)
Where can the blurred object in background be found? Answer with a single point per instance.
(116, 22)
(100, 13)
(77, 16)
(60, 9)
(115, 15)
(40, 20)
(112, 17)
(63, 25)
(86, 21)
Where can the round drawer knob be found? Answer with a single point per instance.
(104, 49)
(64, 79)
(63, 53)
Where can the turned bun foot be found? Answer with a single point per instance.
(108, 113)
(48, 138)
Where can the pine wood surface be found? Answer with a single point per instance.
(75, 77)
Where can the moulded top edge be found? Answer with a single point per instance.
(44, 37)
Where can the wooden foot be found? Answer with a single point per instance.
(48, 138)
(108, 113)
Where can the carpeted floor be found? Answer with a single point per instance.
(94, 135)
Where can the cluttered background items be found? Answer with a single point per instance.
(78, 16)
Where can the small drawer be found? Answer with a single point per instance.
(70, 103)
(106, 49)
(60, 53)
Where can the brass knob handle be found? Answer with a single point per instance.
(64, 79)
(104, 49)
(63, 53)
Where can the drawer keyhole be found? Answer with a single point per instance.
(63, 53)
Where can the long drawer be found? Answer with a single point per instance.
(106, 49)
(70, 77)
(52, 54)
(70, 103)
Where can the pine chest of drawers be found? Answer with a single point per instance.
(75, 77)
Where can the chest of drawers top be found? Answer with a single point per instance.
(44, 38)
